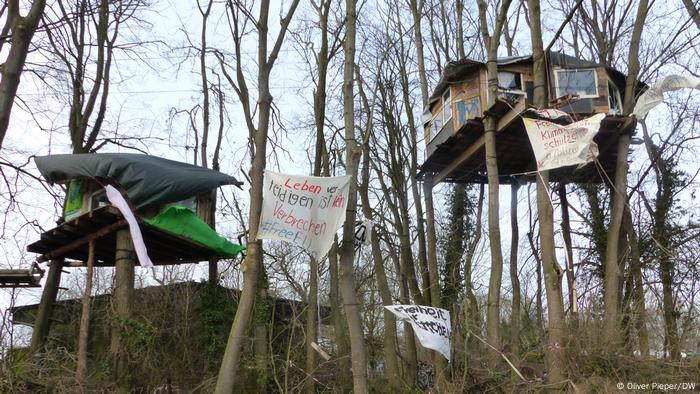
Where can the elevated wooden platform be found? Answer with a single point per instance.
(461, 158)
(15, 278)
(70, 240)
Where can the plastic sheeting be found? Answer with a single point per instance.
(655, 95)
(182, 221)
(147, 180)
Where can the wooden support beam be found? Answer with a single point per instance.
(58, 252)
(511, 115)
(469, 152)
(503, 122)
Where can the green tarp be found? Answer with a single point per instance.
(184, 222)
(148, 180)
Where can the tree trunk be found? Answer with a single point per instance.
(406, 90)
(320, 157)
(411, 358)
(347, 251)
(566, 232)
(83, 333)
(557, 335)
(391, 346)
(473, 322)
(416, 7)
(538, 296)
(514, 280)
(611, 318)
(252, 265)
(493, 310)
(22, 30)
(340, 327)
(206, 210)
(638, 289)
(311, 328)
(42, 322)
(122, 300)
(555, 351)
(435, 297)
(206, 203)
(491, 42)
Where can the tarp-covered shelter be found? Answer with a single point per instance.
(160, 213)
(150, 184)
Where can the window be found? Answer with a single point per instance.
(583, 83)
(436, 126)
(446, 106)
(614, 99)
(442, 117)
(510, 81)
(98, 199)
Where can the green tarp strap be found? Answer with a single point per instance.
(184, 222)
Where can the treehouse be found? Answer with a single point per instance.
(158, 198)
(165, 195)
(453, 120)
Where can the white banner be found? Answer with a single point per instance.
(303, 210)
(655, 94)
(559, 146)
(118, 201)
(431, 325)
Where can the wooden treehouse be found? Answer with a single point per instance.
(454, 131)
(172, 203)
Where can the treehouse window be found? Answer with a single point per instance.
(436, 125)
(442, 117)
(509, 81)
(614, 99)
(446, 106)
(583, 83)
(98, 199)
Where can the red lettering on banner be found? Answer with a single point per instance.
(305, 187)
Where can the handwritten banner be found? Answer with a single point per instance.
(303, 210)
(431, 325)
(559, 146)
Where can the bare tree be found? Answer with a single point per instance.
(491, 42)
(555, 356)
(611, 329)
(18, 31)
(252, 265)
(347, 248)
